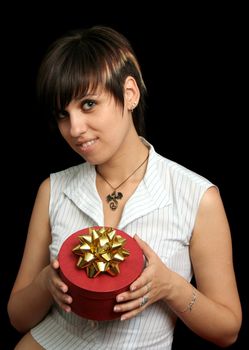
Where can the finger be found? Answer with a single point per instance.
(138, 294)
(62, 299)
(142, 281)
(148, 288)
(65, 299)
(130, 314)
(126, 296)
(131, 305)
(137, 289)
(133, 308)
(144, 300)
(63, 305)
(61, 285)
(55, 264)
(56, 282)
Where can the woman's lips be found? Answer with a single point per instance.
(86, 145)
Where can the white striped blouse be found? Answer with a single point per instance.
(162, 212)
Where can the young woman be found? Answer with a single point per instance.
(91, 82)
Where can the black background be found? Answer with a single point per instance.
(193, 62)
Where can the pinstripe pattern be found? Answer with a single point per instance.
(162, 212)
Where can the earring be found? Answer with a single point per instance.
(133, 106)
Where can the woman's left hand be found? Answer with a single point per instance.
(151, 286)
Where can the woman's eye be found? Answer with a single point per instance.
(88, 104)
(61, 115)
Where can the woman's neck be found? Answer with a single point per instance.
(132, 159)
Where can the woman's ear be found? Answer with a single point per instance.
(131, 93)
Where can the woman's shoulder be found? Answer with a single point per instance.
(171, 170)
(179, 173)
(70, 172)
(70, 176)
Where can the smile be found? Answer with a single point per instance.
(85, 145)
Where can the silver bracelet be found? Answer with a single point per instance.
(192, 302)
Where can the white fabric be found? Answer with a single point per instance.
(162, 212)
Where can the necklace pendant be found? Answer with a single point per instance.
(113, 198)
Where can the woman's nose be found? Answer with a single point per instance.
(78, 124)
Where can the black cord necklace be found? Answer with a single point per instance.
(113, 198)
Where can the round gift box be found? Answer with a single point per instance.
(94, 298)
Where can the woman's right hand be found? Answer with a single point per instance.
(57, 288)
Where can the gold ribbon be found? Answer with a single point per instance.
(100, 251)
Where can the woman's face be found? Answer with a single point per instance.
(95, 127)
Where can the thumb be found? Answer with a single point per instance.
(148, 252)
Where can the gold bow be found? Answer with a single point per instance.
(100, 251)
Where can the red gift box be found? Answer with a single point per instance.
(94, 298)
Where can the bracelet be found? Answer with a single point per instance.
(192, 302)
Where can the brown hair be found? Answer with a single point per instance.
(81, 61)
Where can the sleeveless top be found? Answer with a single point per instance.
(162, 211)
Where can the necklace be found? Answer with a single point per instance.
(113, 197)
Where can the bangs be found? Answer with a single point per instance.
(73, 82)
(71, 77)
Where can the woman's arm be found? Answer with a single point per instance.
(212, 311)
(31, 296)
(216, 312)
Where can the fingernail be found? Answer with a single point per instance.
(132, 288)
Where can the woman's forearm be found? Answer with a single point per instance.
(29, 305)
(209, 319)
